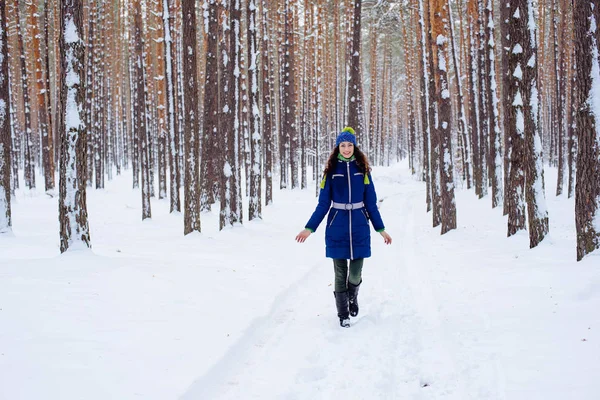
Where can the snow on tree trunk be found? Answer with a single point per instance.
(141, 129)
(255, 203)
(289, 93)
(425, 104)
(572, 142)
(174, 201)
(559, 99)
(267, 105)
(229, 19)
(434, 133)
(515, 124)
(537, 213)
(40, 87)
(211, 121)
(587, 190)
(439, 30)
(355, 99)
(462, 122)
(74, 229)
(5, 137)
(29, 159)
(191, 215)
(495, 149)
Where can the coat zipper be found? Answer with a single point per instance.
(334, 215)
(350, 211)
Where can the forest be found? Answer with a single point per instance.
(210, 102)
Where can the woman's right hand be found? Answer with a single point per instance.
(301, 237)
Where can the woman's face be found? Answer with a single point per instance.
(346, 149)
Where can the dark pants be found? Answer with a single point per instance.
(340, 267)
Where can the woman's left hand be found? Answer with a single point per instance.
(386, 237)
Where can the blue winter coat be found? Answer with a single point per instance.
(348, 235)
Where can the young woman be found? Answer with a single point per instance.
(348, 195)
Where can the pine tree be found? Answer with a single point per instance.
(355, 99)
(5, 139)
(587, 190)
(74, 229)
(191, 181)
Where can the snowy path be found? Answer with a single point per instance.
(396, 347)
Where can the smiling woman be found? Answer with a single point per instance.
(348, 197)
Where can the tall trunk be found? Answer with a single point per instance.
(255, 203)
(515, 125)
(495, 147)
(355, 99)
(74, 229)
(434, 143)
(5, 139)
(41, 98)
(462, 122)
(139, 108)
(173, 137)
(559, 99)
(425, 104)
(29, 153)
(267, 104)
(229, 20)
(537, 212)
(439, 30)
(587, 190)
(191, 216)
(289, 93)
(211, 121)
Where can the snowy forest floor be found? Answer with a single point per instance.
(248, 313)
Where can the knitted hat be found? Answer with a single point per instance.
(346, 135)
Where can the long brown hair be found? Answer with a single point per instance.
(361, 161)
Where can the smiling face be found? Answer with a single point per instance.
(346, 149)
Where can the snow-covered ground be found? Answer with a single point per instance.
(248, 313)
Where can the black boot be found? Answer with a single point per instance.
(353, 298)
(341, 302)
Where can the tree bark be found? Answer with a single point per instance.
(74, 229)
(587, 189)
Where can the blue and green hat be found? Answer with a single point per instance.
(346, 135)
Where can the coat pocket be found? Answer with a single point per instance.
(333, 218)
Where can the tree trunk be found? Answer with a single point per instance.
(515, 124)
(140, 125)
(211, 121)
(267, 104)
(355, 99)
(74, 229)
(255, 200)
(587, 190)
(5, 137)
(439, 30)
(191, 180)
(537, 212)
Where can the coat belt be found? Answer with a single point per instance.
(347, 206)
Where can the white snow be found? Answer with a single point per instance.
(518, 101)
(517, 49)
(71, 34)
(249, 313)
(518, 73)
(520, 122)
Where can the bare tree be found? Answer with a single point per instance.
(74, 229)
